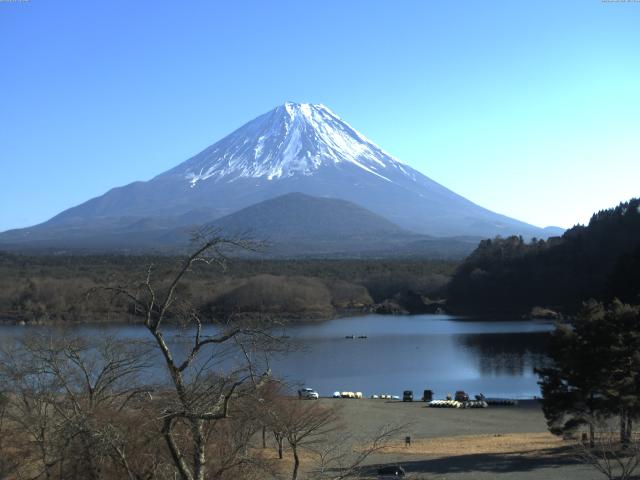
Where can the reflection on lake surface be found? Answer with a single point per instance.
(507, 353)
(436, 352)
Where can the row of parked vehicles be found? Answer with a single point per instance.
(459, 400)
(407, 396)
(427, 396)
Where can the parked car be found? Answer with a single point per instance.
(391, 471)
(308, 394)
(461, 396)
(427, 396)
(407, 396)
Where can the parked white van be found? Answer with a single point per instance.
(308, 394)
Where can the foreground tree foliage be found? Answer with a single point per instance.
(595, 373)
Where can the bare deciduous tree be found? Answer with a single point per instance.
(608, 455)
(302, 424)
(201, 394)
(8, 459)
(67, 397)
(344, 456)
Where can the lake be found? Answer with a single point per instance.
(438, 352)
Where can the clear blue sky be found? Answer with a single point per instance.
(531, 109)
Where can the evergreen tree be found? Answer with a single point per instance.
(573, 387)
(595, 371)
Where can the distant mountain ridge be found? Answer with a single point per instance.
(296, 225)
(293, 225)
(294, 148)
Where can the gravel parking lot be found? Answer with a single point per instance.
(497, 442)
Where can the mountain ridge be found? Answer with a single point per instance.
(300, 225)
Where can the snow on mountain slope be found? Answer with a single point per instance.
(293, 139)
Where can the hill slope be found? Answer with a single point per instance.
(299, 216)
(296, 224)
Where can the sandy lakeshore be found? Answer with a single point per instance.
(497, 442)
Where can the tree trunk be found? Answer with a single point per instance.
(623, 427)
(91, 467)
(264, 436)
(199, 453)
(176, 454)
(629, 429)
(296, 462)
(279, 441)
(592, 434)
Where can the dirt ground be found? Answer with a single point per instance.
(497, 442)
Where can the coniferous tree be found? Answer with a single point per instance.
(573, 387)
(595, 371)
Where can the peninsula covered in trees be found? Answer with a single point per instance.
(598, 261)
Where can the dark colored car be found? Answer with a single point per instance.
(391, 471)
(407, 396)
(427, 396)
(461, 396)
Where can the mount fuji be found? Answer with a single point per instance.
(295, 147)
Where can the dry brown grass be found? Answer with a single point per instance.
(284, 466)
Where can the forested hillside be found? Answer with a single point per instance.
(54, 288)
(599, 261)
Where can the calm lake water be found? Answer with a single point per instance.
(437, 352)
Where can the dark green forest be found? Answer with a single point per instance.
(599, 261)
(54, 288)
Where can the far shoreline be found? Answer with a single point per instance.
(284, 318)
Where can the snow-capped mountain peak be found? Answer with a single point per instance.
(296, 148)
(294, 139)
